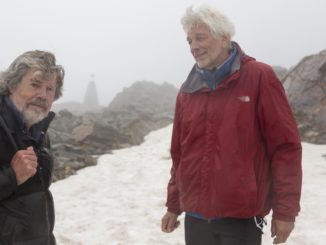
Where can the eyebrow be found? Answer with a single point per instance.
(200, 34)
(35, 79)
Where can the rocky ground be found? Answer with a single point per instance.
(79, 138)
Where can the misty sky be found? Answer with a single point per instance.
(123, 41)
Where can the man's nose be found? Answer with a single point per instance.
(42, 92)
(193, 45)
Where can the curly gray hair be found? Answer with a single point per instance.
(217, 23)
(39, 60)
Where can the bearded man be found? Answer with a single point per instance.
(27, 90)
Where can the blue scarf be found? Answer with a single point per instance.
(215, 77)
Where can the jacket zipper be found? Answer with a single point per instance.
(46, 201)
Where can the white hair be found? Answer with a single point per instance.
(217, 23)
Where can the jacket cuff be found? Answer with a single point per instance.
(8, 182)
(283, 217)
(175, 211)
(13, 178)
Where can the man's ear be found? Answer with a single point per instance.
(12, 90)
(225, 41)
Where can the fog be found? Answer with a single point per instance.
(123, 41)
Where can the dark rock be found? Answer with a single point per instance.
(78, 138)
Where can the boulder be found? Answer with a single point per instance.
(305, 85)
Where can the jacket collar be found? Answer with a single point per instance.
(14, 119)
(214, 77)
(196, 82)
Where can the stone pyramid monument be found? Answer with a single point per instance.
(91, 96)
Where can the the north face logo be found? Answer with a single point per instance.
(244, 98)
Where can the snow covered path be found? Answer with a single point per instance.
(121, 200)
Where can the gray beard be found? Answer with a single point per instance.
(32, 117)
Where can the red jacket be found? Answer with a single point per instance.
(236, 150)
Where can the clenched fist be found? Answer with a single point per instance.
(24, 164)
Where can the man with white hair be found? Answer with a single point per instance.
(235, 148)
(27, 90)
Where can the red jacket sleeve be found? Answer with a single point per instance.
(172, 190)
(283, 143)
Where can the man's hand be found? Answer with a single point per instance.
(24, 164)
(281, 230)
(169, 222)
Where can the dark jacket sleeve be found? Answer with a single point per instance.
(8, 183)
(172, 190)
(283, 143)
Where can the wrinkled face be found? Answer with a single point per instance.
(208, 51)
(34, 96)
